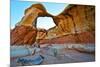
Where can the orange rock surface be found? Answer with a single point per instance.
(76, 24)
(23, 35)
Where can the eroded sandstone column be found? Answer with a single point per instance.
(25, 31)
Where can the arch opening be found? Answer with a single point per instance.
(45, 23)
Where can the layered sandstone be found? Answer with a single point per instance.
(25, 31)
(31, 14)
(75, 19)
(83, 38)
(23, 35)
(76, 24)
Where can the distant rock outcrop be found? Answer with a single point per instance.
(76, 24)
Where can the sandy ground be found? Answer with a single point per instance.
(62, 56)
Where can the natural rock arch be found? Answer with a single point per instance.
(32, 13)
(70, 21)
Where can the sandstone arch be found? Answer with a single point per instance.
(32, 13)
(28, 21)
(75, 18)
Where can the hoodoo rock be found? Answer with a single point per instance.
(76, 24)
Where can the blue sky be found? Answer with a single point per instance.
(18, 8)
(45, 22)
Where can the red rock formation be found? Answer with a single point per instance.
(41, 34)
(75, 19)
(23, 35)
(31, 14)
(85, 37)
(76, 24)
